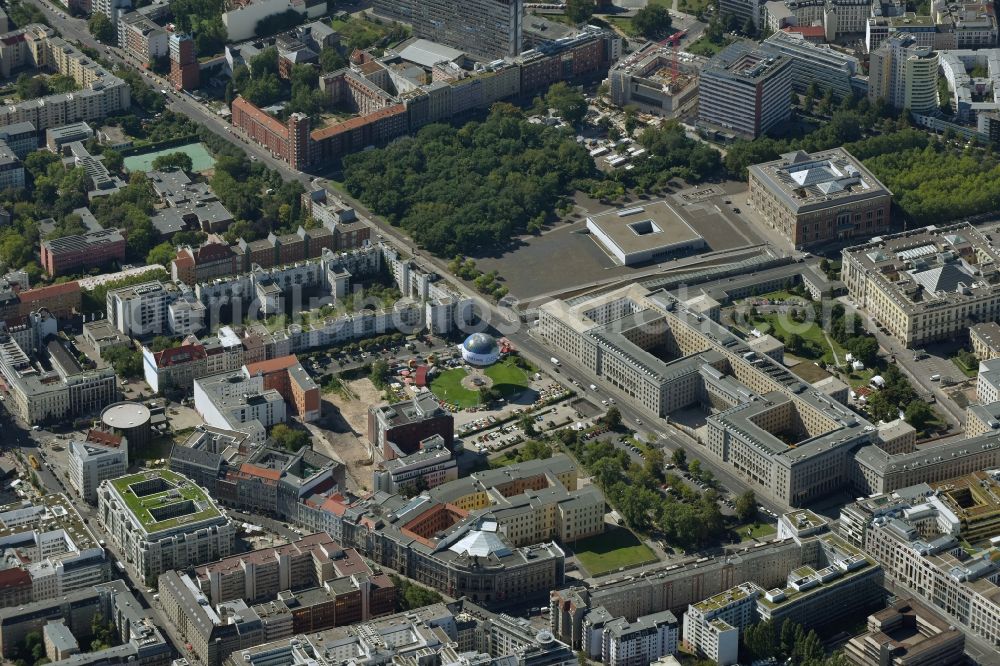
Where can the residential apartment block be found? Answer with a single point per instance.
(904, 74)
(925, 284)
(488, 28)
(745, 91)
(917, 537)
(142, 40)
(712, 627)
(51, 548)
(431, 465)
(457, 84)
(240, 472)
(815, 199)
(50, 385)
(36, 45)
(458, 633)
(287, 376)
(234, 401)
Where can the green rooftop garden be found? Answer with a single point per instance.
(163, 500)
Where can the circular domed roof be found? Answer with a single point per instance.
(480, 343)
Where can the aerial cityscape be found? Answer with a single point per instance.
(499, 333)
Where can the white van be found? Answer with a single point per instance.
(935, 378)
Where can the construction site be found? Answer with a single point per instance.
(658, 79)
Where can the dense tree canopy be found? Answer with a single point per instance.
(652, 22)
(101, 27)
(177, 160)
(463, 190)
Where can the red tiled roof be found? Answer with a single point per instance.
(176, 355)
(270, 122)
(53, 291)
(354, 123)
(263, 472)
(808, 30)
(14, 577)
(272, 365)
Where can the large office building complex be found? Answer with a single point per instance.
(50, 385)
(838, 72)
(791, 441)
(488, 28)
(813, 200)
(745, 91)
(928, 539)
(926, 284)
(160, 520)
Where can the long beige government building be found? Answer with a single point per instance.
(794, 442)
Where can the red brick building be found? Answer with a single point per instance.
(375, 129)
(289, 378)
(287, 141)
(185, 73)
(212, 260)
(71, 253)
(400, 427)
(61, 300)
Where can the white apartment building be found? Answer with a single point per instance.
(641, 642)
(713, 626)
(988, 382)
(234, 401)
(160, 520)
(138, 310)
(90, 463)
(53, 544)
(904, 74)
(186, 316)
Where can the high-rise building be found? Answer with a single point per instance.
(490, 28)
(745, 91)
(904, 74)
(184, 70)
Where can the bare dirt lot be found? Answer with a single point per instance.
(344, 427)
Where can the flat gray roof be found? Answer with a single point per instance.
(645, 227)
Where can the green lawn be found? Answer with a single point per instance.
(967, 371)
(180, 489)
(758, 531)
(448, 388)
(507, 378)
(614, 549)
(703, 47)
(782, 325)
